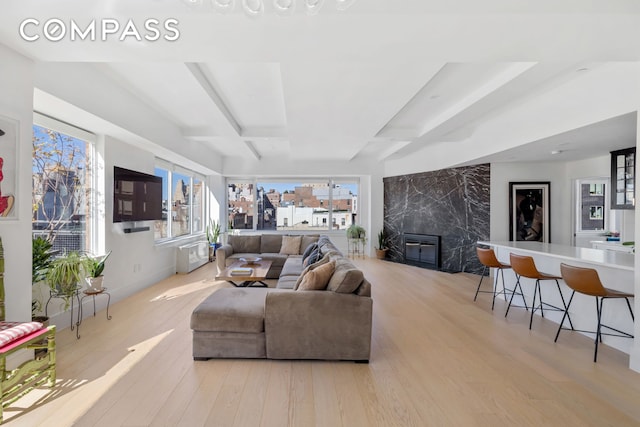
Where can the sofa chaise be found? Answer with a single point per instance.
(290, 321)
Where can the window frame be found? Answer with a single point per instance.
(94, 238)
(171, 169)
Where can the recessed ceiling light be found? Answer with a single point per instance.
(556, 152)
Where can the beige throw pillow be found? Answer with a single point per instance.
(317, 280)
(290, 245)
(310, 267)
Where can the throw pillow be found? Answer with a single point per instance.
(308, 268)
(308, 251)
(346, 278)
(290, 245)
(317, 280)
(313, 257)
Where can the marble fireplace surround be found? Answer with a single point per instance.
(452, 203)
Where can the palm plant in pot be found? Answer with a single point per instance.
(66, 273)
(41, 253)
(96, 268)
(213, 234)
(381, 250)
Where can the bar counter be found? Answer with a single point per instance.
(616, 271)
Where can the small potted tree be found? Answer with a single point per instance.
(96, 268)
(213, 235)
(381, 250)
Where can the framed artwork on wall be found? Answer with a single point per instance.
(529, 212)
(8, 168)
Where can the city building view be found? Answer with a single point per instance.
(292, 206)
(60, 189)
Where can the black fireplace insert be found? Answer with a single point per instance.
(422, 250)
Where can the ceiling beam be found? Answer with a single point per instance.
(201, 77)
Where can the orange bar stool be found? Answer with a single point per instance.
(487, 258)
(586, 281)
(524, 266)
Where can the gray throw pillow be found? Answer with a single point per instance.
(308, 251)
(313, 257)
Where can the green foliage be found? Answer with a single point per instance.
(356, 232)
(41, 258)
(66, 272)
(382, 240)
(213, 231)
(96, 265)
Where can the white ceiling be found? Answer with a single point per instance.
(381, 80)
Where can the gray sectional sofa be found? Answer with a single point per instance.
(266, 246)
(286, 322)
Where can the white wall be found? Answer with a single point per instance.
(16, 103)
(135, 262)
(560, 192)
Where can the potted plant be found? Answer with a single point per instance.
(356, 232)
(356, 236)
(96, 268)
(41, 253)
(381, 250)
(213, 234)
(66, 273)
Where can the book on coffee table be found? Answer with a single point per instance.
(241, 271)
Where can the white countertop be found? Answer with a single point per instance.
(621, 260)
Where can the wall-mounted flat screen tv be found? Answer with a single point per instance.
(137, 196)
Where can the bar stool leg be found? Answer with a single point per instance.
(495, 288)
(598, 333)
(504, 286)
(533, 305)
(630, 311)
(566, 311)
(484, 269)
(513, 293)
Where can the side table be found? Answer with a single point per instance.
(92, 293)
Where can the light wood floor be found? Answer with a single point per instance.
(438, 359)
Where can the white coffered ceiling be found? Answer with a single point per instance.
(382, 80)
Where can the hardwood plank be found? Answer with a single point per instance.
(437, 358)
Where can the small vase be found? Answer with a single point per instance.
(94, 284)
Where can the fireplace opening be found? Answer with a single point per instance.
(422, 250)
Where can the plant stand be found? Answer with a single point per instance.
(355, 247)
(53, 294)
(92, 293)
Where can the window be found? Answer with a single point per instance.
(291, 205)
(197, 202)
(62, 184)
(592, 203)
(183, 193)
(241, 197)
(161, 228)
(344, 196)
(180, 198)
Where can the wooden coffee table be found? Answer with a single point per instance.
(257, 275)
